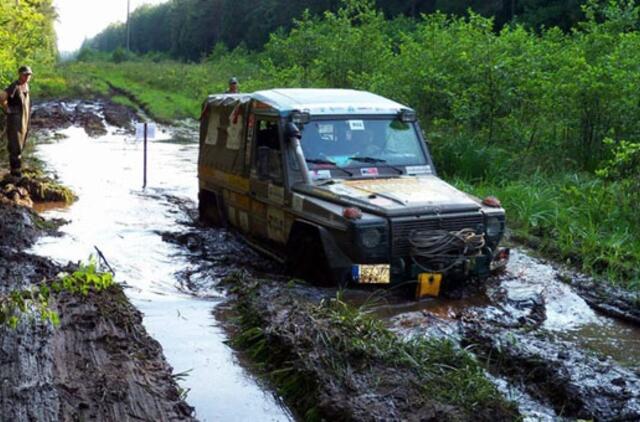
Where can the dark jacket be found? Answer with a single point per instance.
(15, 100)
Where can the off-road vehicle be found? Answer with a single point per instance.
(340, 185)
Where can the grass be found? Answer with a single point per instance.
(447, 373)
(575, 218)
(322, 349)
(167, 90)
(125, 101)
(35, 301)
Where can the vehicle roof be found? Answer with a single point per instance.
(328, 101)
(317, 101)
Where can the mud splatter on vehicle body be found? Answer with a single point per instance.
(340, 185)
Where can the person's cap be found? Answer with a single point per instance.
(25, 70)
(233, 81)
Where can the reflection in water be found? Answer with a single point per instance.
(568, 315)
(114, 214)
(42, 207)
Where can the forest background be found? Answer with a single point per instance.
(534, 101)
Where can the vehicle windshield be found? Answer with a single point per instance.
(361, 143)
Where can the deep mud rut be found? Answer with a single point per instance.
(540, 341)
(127, 223)
(544, 345)
(549, 343)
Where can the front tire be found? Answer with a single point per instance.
(307, 259)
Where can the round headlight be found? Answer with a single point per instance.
(494, 227)
(371, 238)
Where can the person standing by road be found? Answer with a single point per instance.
(233, 86)
(15, 100)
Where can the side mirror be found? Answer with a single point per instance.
(263, 162)
(407, 116)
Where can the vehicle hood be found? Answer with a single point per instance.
(407, 194)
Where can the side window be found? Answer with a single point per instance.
(268, 160)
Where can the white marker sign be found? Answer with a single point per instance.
(151, 131)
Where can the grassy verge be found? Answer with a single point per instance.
(574, 218)
(333, 361)
(167, 90)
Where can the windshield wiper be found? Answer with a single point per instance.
(319, 161)
(368, 159)
(372, 160)
(328, 162)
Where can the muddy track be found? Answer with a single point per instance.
(520, 332)
(90, 115)
(515, 327)
(609, 300)
(143, 106)
(100, 363)
(526, 328)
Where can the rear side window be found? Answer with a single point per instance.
(268, 153)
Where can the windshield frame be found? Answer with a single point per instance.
(426, 153)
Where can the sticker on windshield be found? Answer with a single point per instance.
(320, 174)
(369, 171)
(416, 170)
(356, 124)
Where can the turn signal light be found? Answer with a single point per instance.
(491, 201)
(352, 213)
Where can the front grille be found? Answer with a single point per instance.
(402, 228)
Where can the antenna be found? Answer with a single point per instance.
(128, 26)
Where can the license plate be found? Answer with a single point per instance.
(372, 274)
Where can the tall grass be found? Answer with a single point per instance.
(576, 218)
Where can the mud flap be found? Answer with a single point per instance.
(210, 208)
(337, 264)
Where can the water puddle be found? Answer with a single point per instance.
(569, 317)
(124, 222)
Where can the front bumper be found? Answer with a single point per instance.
(406, 269)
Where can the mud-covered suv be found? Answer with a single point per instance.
(340, 185)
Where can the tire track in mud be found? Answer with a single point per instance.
(530, 332)
(527, 327)
(123, 221)
(99, 364)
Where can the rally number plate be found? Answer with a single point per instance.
(372, 274)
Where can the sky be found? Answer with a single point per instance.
(80, 19)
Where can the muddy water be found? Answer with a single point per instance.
(568, 316)
(124, 222)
